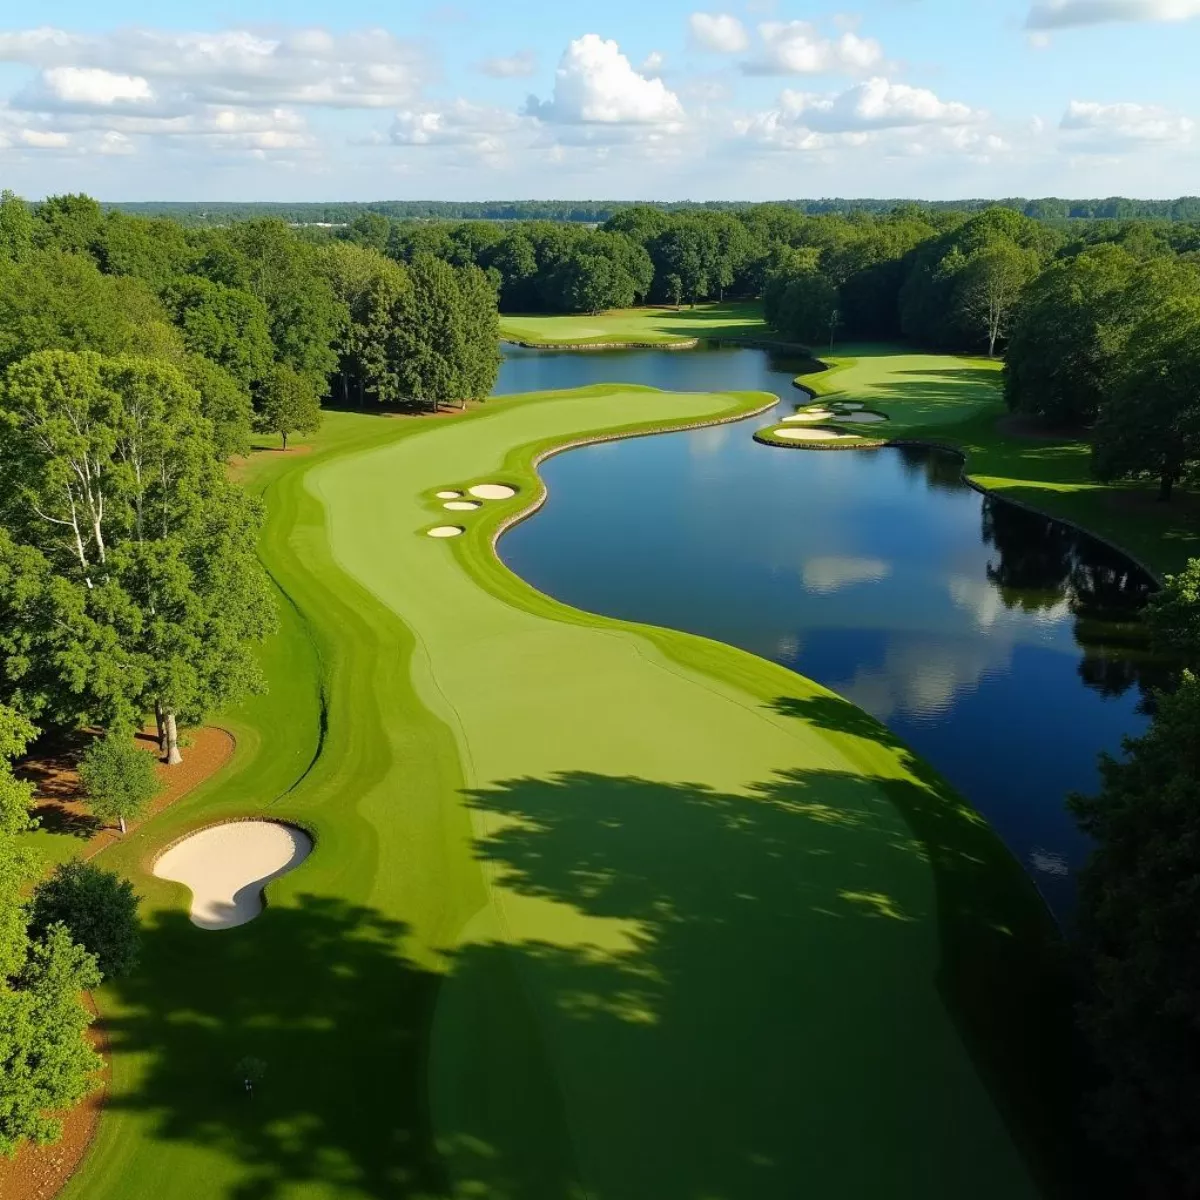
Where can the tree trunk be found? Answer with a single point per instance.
(174, 758)
(992, 343)
(121, 822)
(160, 723)
(1165, 487)
(285, 437)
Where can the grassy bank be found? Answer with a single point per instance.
(958, 402)
(650, 326)
(594, 908)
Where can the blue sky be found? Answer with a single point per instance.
(653, 99)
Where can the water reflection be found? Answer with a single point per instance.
(1003, 647)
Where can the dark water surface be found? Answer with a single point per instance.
(999, 644)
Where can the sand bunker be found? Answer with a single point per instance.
(445, 531)
(812, 435)
(227, 866)
(449, 495)
(808, 415)
(492, 491)
(850, 406)
(862, 418)
(462, 505)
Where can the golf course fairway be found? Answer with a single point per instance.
(594, 910)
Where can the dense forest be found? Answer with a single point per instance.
(140, 353)
(1186, 208)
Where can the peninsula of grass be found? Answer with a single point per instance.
(957, 403)
(627, 328)
(593, 908)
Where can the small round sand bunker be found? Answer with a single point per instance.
(861, 418)
(445, 531)
(806, 415)
(227, 866)
(492, 491)
(449, 495)
(812, 435)
(462, 505)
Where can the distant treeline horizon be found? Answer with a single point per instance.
(1185, 208)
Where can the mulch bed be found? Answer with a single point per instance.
(41, 1172)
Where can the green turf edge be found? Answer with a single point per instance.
(1000, 950)
(996, 464)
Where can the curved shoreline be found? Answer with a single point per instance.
(763, 437)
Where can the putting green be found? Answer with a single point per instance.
(594, 909)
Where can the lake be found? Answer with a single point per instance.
(1000, 645)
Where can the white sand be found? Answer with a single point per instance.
(811, 435)
(462, 505)
(227, 866)
(445, 531)
(492, 491)
(449, 495)
(806, 415)
(862, 418)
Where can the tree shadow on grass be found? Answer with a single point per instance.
(729, 995)
(749, 984)
(323, 994)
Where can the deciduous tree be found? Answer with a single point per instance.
(118, 778)
(98, 908)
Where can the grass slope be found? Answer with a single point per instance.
(595, 909)
(957, 402)
(735, 321)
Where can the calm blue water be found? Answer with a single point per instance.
(993, 641)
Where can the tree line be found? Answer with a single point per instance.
(137, 358)
(596, 212)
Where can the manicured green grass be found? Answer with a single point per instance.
(735, 320)
(595, 909)
(957, 402)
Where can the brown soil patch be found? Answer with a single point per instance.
(58, 804)
(39, 1172)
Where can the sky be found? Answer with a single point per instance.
(626, 99)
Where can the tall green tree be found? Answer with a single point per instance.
(990, 287)
(1150, 423)
(287, 404)
(46, 1064)
(99, 910)
(128, 556)
(16, 227)
(119, 780)
(71, 223)
(224, 324)
(1139, 934)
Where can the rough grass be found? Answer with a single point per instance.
(958, 402)
(650, 326)
(594, 908)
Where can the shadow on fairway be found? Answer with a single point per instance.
(323, 995)
(761, 1033)
(732, 1006)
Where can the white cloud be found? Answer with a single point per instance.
(1107, 125)
(718, 32)
(477, 127)
(520, 65)
(86, 87)
(366, 69)
(874, 104)
(797, 48)
(596, 84)
(652, 65)
(1064, 14)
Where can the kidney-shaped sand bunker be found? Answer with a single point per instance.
(227, 866)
